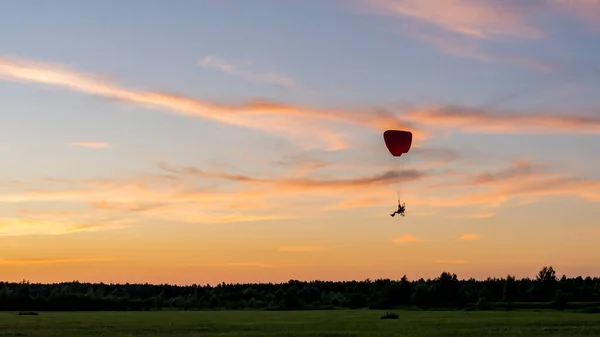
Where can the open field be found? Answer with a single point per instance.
(301, 323)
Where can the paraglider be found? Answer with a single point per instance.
(398, 142)
(400, 210)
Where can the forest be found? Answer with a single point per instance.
(447, 291)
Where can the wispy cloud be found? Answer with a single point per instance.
(185, 194)
(300, 249)
(407, 238)
(469, 119)
(54, 260)
(469, 237)
(236, 68)
(519, 182)
(589, 10)
(289, 122)
(472, 49)
(242, 264)
(54, 225)
(463, 28)
(98, 145)
(479, 19)
(305, 183)
(194, 195)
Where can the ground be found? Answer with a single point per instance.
(304, 323)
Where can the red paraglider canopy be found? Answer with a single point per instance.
(397, 141)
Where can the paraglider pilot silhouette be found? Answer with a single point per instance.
(398, 142)
(401, 209)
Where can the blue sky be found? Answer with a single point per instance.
(257, 119)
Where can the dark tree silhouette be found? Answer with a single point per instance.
(445, 291)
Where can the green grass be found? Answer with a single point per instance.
(305, 323)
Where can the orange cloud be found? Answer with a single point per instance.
(478, 120)
(246, 264)
(126, 206)
(268, 116)
(302, 249)
(406, 239)
(54, 226)
(194, 195)
(98, 145)
(245, 217)
(182, 196)
(55, 260)
(235, 68)
(469, 237)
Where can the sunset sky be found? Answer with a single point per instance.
(220, 140)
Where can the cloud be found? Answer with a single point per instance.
(98, 145)
(469, 237)
(182, 195)
(297, 249)
(54, 260)
(518, 169)
(483, 19)
(290, 122)
(126, 206)
(243, 264)
(55, 225)
(408, 238)
(469, 119)
(194, 195)
(305, 183)
(589, 10)
(466, 48)
(464, 28)
(300, 164)
(251, 217)
(235, 68)
(456, 47)
(521, 182)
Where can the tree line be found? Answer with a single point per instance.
(445, 291)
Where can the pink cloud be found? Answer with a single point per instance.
(479, 19)
(97, 145)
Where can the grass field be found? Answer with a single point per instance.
(305, 323)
